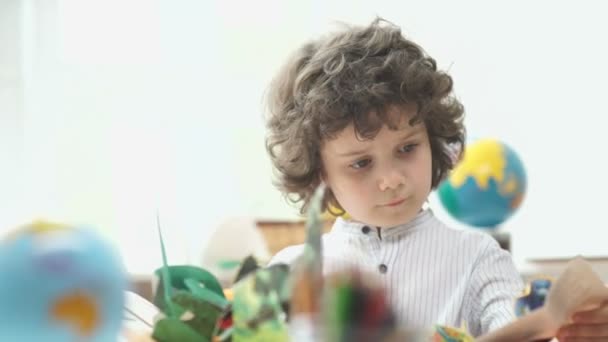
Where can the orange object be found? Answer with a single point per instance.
(229, 294)
(79, 310)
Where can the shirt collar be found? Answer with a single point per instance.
(342, 226)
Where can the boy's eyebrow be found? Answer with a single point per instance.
(411, 134)
(352, 153)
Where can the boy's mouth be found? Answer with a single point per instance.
(394, 203)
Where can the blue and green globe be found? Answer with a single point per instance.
(486, 187)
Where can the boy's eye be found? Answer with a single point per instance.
(360, 164)
(408, 148)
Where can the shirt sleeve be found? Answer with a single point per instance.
(495, 282)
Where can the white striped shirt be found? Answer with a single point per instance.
(433, 274)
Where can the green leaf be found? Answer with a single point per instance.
(228, 264)
(174, 330)
(257, 309)
(205, 294)
(205, 314)
(179, 273)
(171, 311)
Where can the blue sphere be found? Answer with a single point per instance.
(60, 283)
(486, 187)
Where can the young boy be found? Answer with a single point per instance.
(367, 112)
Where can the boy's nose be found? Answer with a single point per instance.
(391, 180)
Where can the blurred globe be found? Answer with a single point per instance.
(486, 187)
(60, 283)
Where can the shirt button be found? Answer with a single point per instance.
(365, 229)
(382, 268)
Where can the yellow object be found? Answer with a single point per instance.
(41, 227)
(229, 294)
(488, 153)
(37, 228)
(329, 213)
(450, 334)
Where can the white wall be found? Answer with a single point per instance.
(11, 112)
(135, 105)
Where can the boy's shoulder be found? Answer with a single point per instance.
(465, 236)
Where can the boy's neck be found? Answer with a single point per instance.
(379, 227)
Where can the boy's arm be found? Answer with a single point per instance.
(495, 282)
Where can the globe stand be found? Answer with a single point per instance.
(503, 239)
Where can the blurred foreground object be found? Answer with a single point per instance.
(234, 240)
(534, 296)
(59, 283)
(486, 187)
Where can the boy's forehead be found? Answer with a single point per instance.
(348, 137)
(396, 123)
(397, 120)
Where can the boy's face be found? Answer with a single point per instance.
(383, 181)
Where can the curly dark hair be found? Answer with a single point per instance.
(355, 76)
